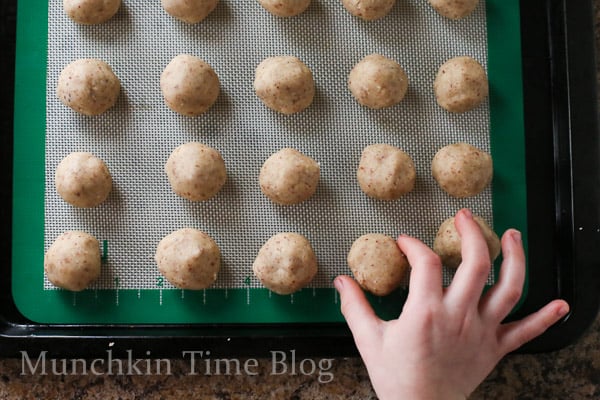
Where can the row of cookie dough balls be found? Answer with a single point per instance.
(91, 12)
(285, 84)
(190, 259)
(197, 172)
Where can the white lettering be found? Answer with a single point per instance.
(32, 369)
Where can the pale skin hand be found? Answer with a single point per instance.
(446, 341)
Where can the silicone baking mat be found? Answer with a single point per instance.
(136, 137)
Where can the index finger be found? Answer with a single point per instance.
(426, 267)
(468, 283)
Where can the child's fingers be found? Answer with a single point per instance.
(357, 311)
(426, 268)
(500, 299)
(515, 334)
(469, 280)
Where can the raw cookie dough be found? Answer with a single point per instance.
(196, 171)
(91, 12)
(73, 261)
(369, 9)
(190, 11)
(289, 177)
(378, 82)
(385, 172)
(188, 259)
(189, 85)
(89, 86)
(447, 242)
(285, 8)
(462, 170)
(377, 263)
(285, 84)
(83, 180)
(285, 263)
(461, 85)
(454, 9)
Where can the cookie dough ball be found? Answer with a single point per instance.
(83, 180)
(289, 177)
(385, 172)
(196, 171)
(369, 9)
(189, 85)
(285, 263)
(285, 84)
(89, 86)
(462, 170)
(454, 9)
(91, 12)
(73, 261)
(188, 259)
(461, 85)
(378, 82)
(285, 8)
(190, 11)
(447, 242)
(377, 263)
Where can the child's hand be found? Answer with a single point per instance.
(446, 341)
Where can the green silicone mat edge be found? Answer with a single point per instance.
(219, 305)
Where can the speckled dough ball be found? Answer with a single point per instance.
(454, 9)
(73, 261)
(89, 86)
(377, 263)
(289, 177)
(378, 82)
(83, 180)
(190, 11)
(447, 242)
(461, 85)
(285, 8)
(369, 9)
(189, 85)
(462, 170)
(385, 172)
(196, 171)
(189, 259)
(285, 84)
(91, 12)
(285, 263)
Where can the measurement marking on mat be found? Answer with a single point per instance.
(226, 294)
(96, 294)
(104, 250)
(314, 292)
(75, 299)
(335, 297)
(139, 294)
(160, 297)
(247, 283)
(204, 296)
(270, 292)
(182, 294)
(292, 298)
(117, 282)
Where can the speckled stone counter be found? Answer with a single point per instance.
(569, 374)
(572, 373)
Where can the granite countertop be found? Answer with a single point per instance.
(571, 373)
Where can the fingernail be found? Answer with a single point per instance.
(467, 213)
(563, 310)
(338, 283)
(516, 236)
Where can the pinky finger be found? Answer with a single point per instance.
(515, 334)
